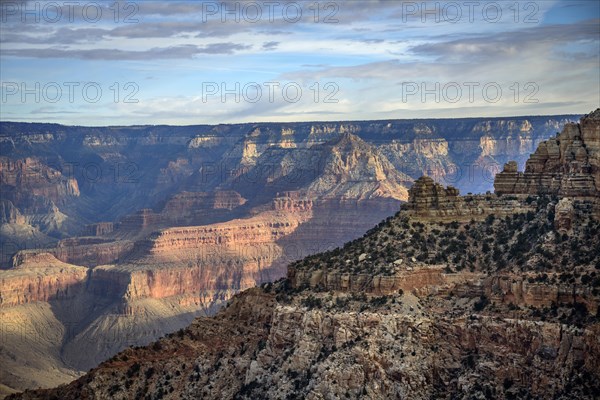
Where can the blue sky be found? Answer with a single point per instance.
(225, 62)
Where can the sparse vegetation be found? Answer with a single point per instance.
(312, 302)
(481, 303)
(494, 244)
(133, 370)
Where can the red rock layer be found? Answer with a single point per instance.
(41, 277)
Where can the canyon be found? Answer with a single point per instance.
(499, 299)
(115, 236)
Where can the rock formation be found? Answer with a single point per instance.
(31, 177)
(99, 229)
(565, 215)
(431, 303)
(193, 208)
(217, 210)
(430, 200)
(567, 165)
(40, 278)
(425, 195)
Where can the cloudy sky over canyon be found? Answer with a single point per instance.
(212, 62)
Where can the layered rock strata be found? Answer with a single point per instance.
(336, 187)
(567, 165)
(432, 303)
(41, 278)
(430, 200)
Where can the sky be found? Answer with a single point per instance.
(207, 62)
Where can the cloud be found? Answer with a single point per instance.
(270, 45)
(509, 44)
(155, 53)
(155, 29)
(369, 52)
(52, 110)
(61, 36)
(372, 41)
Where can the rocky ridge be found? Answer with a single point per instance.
(567, 165)
(432, 201)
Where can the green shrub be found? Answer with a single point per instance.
(481, 303)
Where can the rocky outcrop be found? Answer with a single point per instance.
(292, 202)
(567, 165)
(354, 169)
(425, 195)
(99, 229)
(141, 221)
(423, 280)
(590, 135)
(9, 214)
(41, 278)
(429, 200)
(92, 255)
(411, 278)
(200, 286)
(565, 215)
(194, 207)
(264, 229)
(31, 177)
(517, 290)
(89, 252)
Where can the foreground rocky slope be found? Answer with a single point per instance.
(490, 296)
